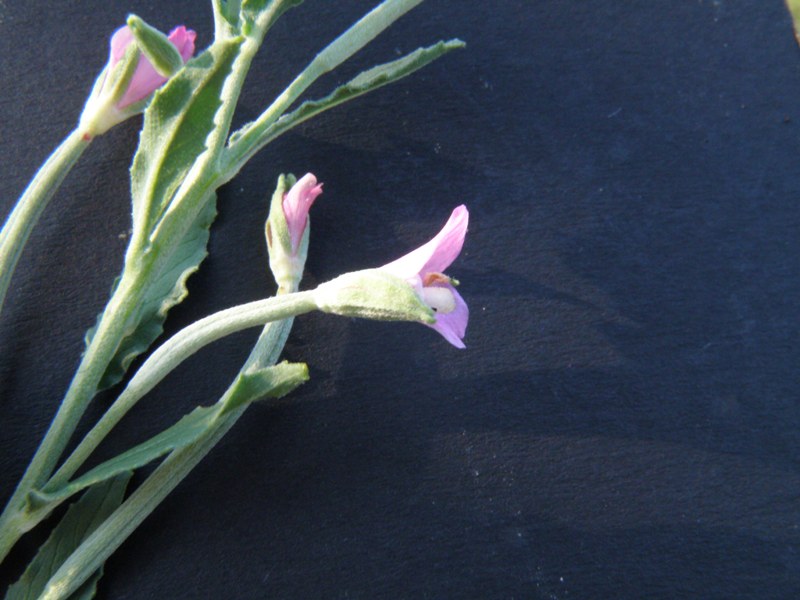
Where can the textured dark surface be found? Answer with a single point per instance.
(625, 422)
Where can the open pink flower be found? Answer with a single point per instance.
(146, 80)
(296, 204)
(424, 269)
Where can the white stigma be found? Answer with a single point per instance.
(440, 299)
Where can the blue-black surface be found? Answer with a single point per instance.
(625, 422)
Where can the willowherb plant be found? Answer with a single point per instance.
(186, 151)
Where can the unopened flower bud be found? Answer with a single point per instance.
(130, 78)
(287, 228)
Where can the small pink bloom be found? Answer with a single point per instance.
(146, 80)
(296, 204)
(423, 268)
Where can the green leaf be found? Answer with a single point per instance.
(89, 587)
(167, 287)
(249, 386)
(177, 127)
(82, 518)
(794, 10)
(253, 9)
(182, 433)
(256, 384)
(226, 18)
(250, 139)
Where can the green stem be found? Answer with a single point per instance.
(32, 203)
(96, 549)
(171, 354)
(15, 519)
(346, 45)
(112, 326)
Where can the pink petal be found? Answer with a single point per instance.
(183, 39)
(296, 204)
(437, 254)
(144, 82)
(120, 40)
(453, 325)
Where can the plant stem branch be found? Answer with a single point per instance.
(96, 549)
(171, 354)
(32, 203)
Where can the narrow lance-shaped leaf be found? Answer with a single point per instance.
(167, 287)
(253, 136)
(82, 518)
(254, 10)
(177, 125)
(249, 386)
(334, 54)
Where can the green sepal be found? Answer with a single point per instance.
(100, 112)
(276, 229)
(80, 520)
(248, 140)
(250, 386)
(161, 53)
(373, 294)
(119, 79)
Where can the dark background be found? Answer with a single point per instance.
(625, 422)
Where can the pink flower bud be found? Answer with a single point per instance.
(423, 269)
(296, 204)
(146, 80)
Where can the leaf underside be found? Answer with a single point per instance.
(165, 289)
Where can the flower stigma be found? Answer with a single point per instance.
(440, 299)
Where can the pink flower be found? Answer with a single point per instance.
(423, 268)
(146, 80)
(296, 204)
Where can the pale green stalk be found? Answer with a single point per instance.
(171, 354)
(32, 203)
(96, 549)
(110, 331)
(13, 521)
(346, 45)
